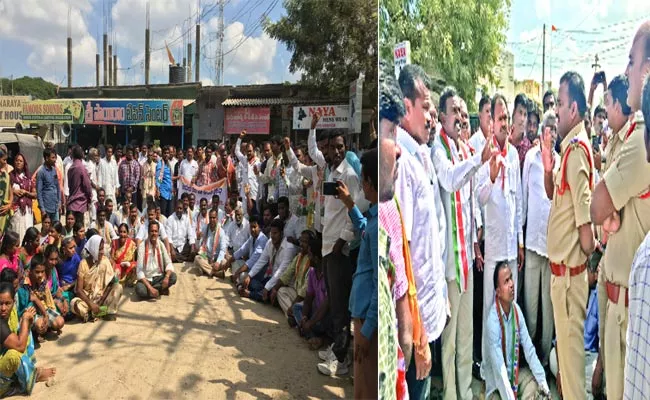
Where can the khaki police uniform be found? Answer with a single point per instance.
(627, 180)
(611, 153)
(569, 287)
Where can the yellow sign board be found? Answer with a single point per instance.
(10, 109)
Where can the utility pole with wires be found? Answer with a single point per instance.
(595, 65)
(220, 35)
(543, 56)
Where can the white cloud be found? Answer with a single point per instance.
(207, 82)
(42, 28)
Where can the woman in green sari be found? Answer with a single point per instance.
(6, 194)
(18, 371)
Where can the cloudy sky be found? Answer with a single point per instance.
(33, 39)
(584, 28)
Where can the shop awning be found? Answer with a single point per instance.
(252, 102)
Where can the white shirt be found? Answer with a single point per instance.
(143, 232)
(536, 206)
(338, 223)
(172, 164)
(188, 169)
(291, 227)
(153, 268)
(66, 188)
(637, 364)
(107, 176)
(67, 161)
(107, 232)
(310, 172)
(416, 196)
(238, 235)
(503, 221)
(281, 259)
(180, 231)
(456, 177)
(496, 373)
(247, 172)
(477, 141)
(91, 168)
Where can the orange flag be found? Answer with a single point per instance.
(553, 28)
(169, 54)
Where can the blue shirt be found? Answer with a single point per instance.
(252, 248)
(47, 189)
(354, 162)
(68, 269)
(591, 322)
(363, 296)
(164, 187)
(81, 246)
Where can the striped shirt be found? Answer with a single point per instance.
(637, 356)
(390, 221)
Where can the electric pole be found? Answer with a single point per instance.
(543, 56)
(595, 65)
(220, 34)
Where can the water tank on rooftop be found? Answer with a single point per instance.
(176, 74)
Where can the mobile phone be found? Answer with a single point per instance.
(329, 188)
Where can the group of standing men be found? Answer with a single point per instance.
(525, 212)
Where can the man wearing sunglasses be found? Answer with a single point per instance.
(621, 203)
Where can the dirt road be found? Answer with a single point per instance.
(201, 342)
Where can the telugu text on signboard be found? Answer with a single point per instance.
(401, 56)
(256, 120)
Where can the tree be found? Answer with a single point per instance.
(332, 41)
(458, 41)
(26, 86)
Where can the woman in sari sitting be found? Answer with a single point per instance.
(69, 224)
(52, 259)
(18, 371)
(46, 224)
(35, 292)
(67, 269)
(31, 247)
(98, 289)
(123, 255)
(9, 253)
(6, 193)
(56, 234)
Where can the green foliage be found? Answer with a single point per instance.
(331, 41)
(458, 41)
(25, 86)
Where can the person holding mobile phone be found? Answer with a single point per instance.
(337, 232)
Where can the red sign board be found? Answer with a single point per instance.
(256, 120)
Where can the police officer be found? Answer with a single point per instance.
(621, 202)
(572, 241)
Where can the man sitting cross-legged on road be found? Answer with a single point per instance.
(246, 255)
(290, 288)
(506, 331)
(183, 237)
(275, 259)
(213, 247)
(155, 271)
(144, 229)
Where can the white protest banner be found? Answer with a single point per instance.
(204, 192)
(402, 56)
(331, 116)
